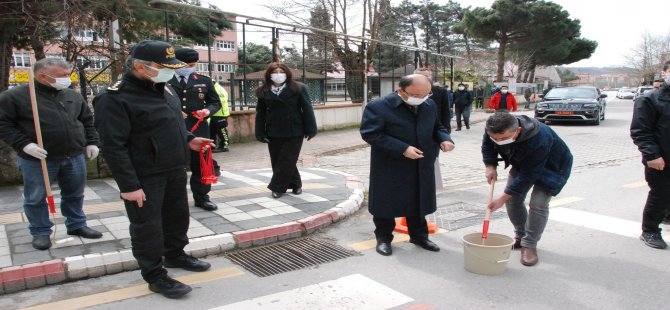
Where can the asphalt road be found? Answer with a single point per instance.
(590, 257)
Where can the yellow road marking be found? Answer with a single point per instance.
(564, 201)
(636, 184)
(135, 291)
(369, 244)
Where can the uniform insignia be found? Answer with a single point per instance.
(200, 85)
(167, 89)
(116, 86)
(169, 52)
(195, 76)
(201, 96)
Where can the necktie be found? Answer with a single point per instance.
(183, 81)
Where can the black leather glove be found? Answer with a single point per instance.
(310, 136)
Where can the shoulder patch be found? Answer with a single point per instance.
(116, 86)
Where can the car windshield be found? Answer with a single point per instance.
(562, 93)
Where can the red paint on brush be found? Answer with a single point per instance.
(485, 230)
(52, 205)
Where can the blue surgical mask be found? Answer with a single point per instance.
(185, 71)
(164, 74)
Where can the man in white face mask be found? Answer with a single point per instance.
(404, 132)
(540, 160)
(68, 139)
(147, 147)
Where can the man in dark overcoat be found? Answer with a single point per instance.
(403, 131)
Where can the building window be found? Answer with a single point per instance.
(230, 68)
(96, 62)
(175, 37)
(202, 67)
(22, 60)
(88, 35)
(226, 46)
(199, 46)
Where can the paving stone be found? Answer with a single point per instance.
(23, 248)
(17, 230)
(201, 215)
(250, 224)
(66, 251)
(274, 220)
(248, 208)
(236, 217)
(22, 240)
(224, 228)
(262, 213)
(214, 220)
(31, 257)
(295, 215)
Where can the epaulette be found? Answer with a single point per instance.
(116, 86)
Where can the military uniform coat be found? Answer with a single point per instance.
(198, 94)
(400, 186)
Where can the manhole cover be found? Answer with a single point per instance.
(287, 256)
(459, 215)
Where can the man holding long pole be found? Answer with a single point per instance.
(68, 138)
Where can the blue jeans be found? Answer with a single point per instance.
(528, 224)
(71, 175)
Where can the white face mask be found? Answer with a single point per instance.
(164, 74)
(61, 82)
(185, 71)
(504, 91)
(415, 101)
(503, 142)
(461, 88)
(278, 78)
(667, 78)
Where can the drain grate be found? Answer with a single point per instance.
(288, 256)
(461, 214)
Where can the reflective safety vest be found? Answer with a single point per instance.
(223, 96)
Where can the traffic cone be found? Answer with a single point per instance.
(401, 226)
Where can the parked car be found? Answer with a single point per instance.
(640, 91)
(625, 93)
(573, 104)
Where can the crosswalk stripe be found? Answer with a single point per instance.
(563, 201)
(134, 291)
(598, 222)
(397, 238)
(350, 292)
(636, 184)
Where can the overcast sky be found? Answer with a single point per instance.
(615, 25)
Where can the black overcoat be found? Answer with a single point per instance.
(400, 186)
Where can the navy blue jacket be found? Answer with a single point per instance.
(400, 186)
(650, 128)
(538, 157)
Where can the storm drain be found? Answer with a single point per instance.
(288, 256)
(461, 214)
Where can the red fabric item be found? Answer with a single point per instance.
(511, 101)
(207, 175)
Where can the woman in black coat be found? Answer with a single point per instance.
(284, 116)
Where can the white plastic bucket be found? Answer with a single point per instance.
(486, 256)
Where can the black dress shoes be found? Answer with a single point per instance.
(426, 244)
(384, 248)
(186, 262)
(169, 287)
(297, 191)
(277, 194)
(206, 205)
(86, 232)
(41, 242)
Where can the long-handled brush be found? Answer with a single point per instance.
(45, 171)
(485, 229)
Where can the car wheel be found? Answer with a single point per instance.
(603, 116)
(597, 121)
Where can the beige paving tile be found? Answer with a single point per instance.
(285, 210)
(237, 217)
(5, 261)
(273, 204)
(10, 218)
(229, 210)
(262, 213)
(121, 233)
(199, 232)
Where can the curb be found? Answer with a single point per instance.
(18, 278)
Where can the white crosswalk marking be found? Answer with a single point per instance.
(595, 221)
(242, 178)
(350, 292)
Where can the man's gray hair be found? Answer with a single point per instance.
(130, 61)
(501, 121)
(46, 63)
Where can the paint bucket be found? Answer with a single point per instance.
(486, 256)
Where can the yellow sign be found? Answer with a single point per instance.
(22, 77)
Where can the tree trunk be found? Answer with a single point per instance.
(531, 71)
(5, 60)
(501, 58)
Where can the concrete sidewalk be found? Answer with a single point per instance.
(247, 215)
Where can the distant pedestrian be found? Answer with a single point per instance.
(69, 138)
(504, 100)
(218, 126)
(403, 131)
(284, 117)
(479, 97)
(650, 130)
(540, 160)
(526, 95)
(462, 106)
(197, 95)
(147, 146)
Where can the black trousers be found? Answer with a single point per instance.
(159, 227)
(200, 191)
(218, 129)
(284, 154)
(658, 199)
(417, 226)
(464, 113)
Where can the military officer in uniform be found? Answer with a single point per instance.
(146, 144)
(197, 94)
